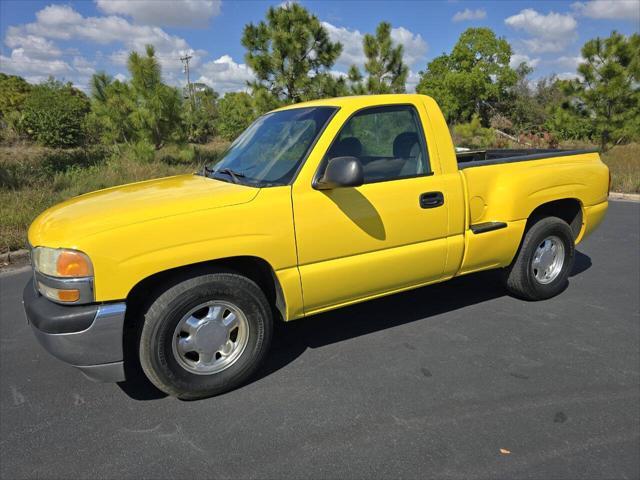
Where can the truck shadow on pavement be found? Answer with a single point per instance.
(290, 340)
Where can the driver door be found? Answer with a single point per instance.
(386, 235)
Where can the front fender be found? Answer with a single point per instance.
(125, 256)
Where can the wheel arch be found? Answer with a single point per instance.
(254, 268)
(568, 209)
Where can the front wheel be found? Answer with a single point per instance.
(205, 335)
(542, 265)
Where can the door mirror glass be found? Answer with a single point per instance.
(341, 172)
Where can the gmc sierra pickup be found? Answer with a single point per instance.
(315, 206)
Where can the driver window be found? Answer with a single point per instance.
(388, 141)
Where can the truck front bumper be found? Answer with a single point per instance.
(89, 337)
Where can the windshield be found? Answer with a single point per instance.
(270, 151)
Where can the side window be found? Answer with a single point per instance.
(388, 141)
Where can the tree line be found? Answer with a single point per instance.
(292, 57)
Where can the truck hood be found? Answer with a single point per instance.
(64, 224)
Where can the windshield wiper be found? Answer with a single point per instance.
(232, 173)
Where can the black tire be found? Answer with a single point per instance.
(519, 277)
(165, 312)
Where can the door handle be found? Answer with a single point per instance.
(431, 199)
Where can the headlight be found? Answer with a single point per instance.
(62, 275)
(61, 263)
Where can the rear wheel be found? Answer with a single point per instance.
(542, 266)
(205, 335)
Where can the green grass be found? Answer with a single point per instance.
(624, 164)
(34, 178)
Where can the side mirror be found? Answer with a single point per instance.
(341, 172)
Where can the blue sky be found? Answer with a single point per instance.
(71, 40)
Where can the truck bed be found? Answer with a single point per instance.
(478, 158)
(511, 184)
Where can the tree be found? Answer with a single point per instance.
(236, 112)
(200, 113)
(112, 106)
(157, 114)
(291, 54)
(143, 110)
(99, 84)
(14, 91)
(475, 75)
(523, 112)
(610, 86)
(386, 71)
(13, 94)
(54, 114)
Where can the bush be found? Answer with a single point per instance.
(236, 112)
(13, 93)
(473, 135)
(177, 154)
(542, 140)
(54, 114)
(141, 151)
(26, 166)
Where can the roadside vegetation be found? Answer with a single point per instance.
(33, 178)
(57, 141)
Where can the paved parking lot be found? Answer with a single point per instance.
(427, 384)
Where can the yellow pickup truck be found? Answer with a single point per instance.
(315, 206)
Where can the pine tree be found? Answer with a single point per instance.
(386, 72)
(291, 54)
(610, 86)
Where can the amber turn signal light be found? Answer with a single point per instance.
(73, 264)
(68, 295)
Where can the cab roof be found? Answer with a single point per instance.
(359, 101)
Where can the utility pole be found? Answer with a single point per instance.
(185, 60)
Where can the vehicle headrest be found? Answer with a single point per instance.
(403, 144)
(347, 147)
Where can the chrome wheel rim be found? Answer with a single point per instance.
(548, 260)
(210, 337)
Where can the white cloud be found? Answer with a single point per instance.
(287, 4)
(414, 45)
(609, 9)
(468, 14)
(518, 58)
(83, 66)
(548, 33)
(32, 45)
(412, 81)
(568, 76)
(120, 77)
(225, 75)
(183, 13)
(351, 41)
(32, 42)
(21, 64)
(415, 48)
(63, 22)
(36, 58)
(569, 62)
(338, 74)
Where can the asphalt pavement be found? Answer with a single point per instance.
(455, 380)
